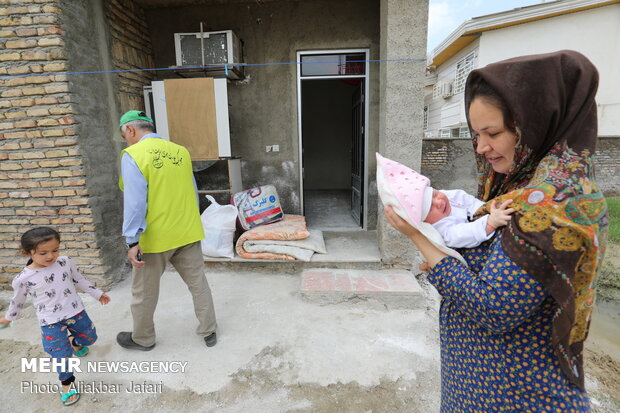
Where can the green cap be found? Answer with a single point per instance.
(134, 115)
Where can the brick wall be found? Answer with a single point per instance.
(42, 177)
(607, 165)
(130, 49)
(58, 164)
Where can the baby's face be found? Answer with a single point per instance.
(440, 207)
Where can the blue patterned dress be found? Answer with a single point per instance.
(495, 327)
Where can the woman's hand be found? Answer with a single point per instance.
(424, 266)
(431, 253)
(400, 224)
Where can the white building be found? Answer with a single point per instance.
(591, 27)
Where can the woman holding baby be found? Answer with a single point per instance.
(513, 321)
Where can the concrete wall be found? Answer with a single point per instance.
(263, 108)
(595, 33)
(87, 39)
(450, 164)
(403, 35)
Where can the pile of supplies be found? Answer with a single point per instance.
(268, 233)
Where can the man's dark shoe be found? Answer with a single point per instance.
(211, 339)
(124, 340)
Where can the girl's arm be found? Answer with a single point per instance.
(20, 292)
(82, 283)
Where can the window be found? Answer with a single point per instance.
(437, 90)
(463, 67)
(464, 132)
(333, 64)
(425, 121)
(460, 132)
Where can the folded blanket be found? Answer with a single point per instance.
(302, 249)
(288, 240)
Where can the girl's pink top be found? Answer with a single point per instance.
(52, 290)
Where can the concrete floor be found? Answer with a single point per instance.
(344, 248)
(277, 352)
(329, 210)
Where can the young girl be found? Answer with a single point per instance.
(51, 279)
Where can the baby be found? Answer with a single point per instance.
(448, 212)
(451, 212)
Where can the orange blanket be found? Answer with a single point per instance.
(291, 227)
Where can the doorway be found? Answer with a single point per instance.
(332, 122)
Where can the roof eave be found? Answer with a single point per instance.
(472, 29)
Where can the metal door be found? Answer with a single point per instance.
(357, 155)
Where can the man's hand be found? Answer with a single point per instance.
(104, 299)
(132, 254)
(499, 216)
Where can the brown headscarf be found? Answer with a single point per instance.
(558, 233)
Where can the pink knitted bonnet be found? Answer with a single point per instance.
(408, 192)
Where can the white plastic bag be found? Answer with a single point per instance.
(218, 222)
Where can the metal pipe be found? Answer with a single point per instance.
(202, 45)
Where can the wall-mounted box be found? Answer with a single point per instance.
(215, 49)
(193, 113)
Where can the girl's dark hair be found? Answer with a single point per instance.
(33, 237)
(481, 89)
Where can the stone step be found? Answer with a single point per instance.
(394, 288)
(345, 249)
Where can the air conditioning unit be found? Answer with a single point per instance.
(446, 90)
(219, 51)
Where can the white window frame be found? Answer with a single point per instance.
(464, 132)
(437, 90)
(463, 67)
(425, 119)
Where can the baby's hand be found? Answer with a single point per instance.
(104, 299)
(499, 216)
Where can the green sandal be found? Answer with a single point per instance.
(82, 352)
(66, 396)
